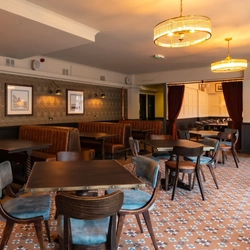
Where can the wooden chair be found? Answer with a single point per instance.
(183, 134)
(138, 202)
(229, 143)
(182, 166)
(228, 137)
(135, 149)
(210, 159)
(134, 146)
(73, 156)
(163, 155)
(22, 210)
(87, 222)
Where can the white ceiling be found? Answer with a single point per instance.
(124, 42)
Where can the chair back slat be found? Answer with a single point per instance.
(71, 156)
(185, 151)
(160, 137)
(134, 146)
(228, 136)
(88, 208)
(147, 168)
(183, 134)
(6, 176)
(235, 131)
(213, 143)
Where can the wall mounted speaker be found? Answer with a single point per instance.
(35, 65)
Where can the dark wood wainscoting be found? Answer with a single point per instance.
(245, 138)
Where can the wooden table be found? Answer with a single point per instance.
(218, 126)
(97, 136)
(80, 175)
(168, 145)
(204, 133)
(142, 131)
(11, 146)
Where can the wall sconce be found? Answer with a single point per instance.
(58, 91)
(102, 95)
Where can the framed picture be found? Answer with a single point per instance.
(19, 99)
(218, 87)
(202, 87)
(75, 102)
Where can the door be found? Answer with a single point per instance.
(143, 106)
(151, 107)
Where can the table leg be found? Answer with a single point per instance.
(103, 149)
(28, 165)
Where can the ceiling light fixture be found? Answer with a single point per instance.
(229, 64)
(159, 56)
(182, 31)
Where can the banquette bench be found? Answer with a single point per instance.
(115, 144)
(61, 138)
(156, 126)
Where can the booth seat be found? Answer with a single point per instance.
(61, 138)
(156, 126)
(114, 144)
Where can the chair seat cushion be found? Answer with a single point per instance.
(161, 154)
(153, 158)
(85, 232)
(29, 206)
(227, 143)
(183, 165)
(203, 159)
(134, 199)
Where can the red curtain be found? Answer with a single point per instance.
(232, 92)
(175, 99)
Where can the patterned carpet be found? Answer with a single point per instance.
(222, 221)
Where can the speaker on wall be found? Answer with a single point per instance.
(35, 64)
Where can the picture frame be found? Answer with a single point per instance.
(218, 87)
(202, 87)
(19, 99)
(75, 102)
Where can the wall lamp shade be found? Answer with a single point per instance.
(182, 31)
(57, 92)
(229, 64)
(102, 95)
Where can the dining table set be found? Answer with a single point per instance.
(95, 177)
(98, 174)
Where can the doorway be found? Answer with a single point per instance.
(147, 107)
(151, 107)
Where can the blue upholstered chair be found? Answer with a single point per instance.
(22, 210)
(86, 222)
(138, 201)
(135, 149)
(210, 159)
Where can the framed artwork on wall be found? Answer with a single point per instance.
(75, 102)
(218, 87)
(19, 99)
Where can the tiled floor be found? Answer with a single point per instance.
(222, 221)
